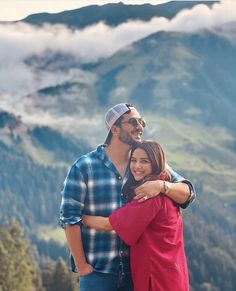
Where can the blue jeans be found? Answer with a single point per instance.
(105, 282)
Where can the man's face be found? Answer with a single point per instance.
(131, 128)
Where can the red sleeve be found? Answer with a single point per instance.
(130, 221)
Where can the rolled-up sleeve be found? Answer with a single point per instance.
(73, 196)
(176, 178)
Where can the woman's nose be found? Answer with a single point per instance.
(138, 165)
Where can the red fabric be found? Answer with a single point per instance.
(154, 230)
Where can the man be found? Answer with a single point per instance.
(94, 187)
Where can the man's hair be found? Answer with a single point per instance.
(118, 122)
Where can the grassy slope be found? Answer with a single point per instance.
(199, 150)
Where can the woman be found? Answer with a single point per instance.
(153, 229)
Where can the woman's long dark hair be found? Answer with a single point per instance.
(156, 156)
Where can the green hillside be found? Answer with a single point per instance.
(193, 72)
(192, 150)
(35, 162)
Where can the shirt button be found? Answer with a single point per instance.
(121, 194)
(119, 177)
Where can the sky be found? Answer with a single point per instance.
(19, 9)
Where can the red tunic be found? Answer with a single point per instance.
(154, 230)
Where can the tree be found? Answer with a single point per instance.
(62, 278)
(17, 270)
(56, 276)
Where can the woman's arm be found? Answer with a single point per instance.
(97, 222)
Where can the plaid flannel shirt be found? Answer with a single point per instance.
(93, 186)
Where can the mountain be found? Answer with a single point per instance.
(35, 161)
(186, 78)
(112, 14)
(192, 71)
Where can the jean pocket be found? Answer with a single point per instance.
(89, 274)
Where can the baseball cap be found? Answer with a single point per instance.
(113, 114)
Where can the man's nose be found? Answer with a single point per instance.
(139, 126)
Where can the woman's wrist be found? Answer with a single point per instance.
(166, 187)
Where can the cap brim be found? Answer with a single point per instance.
(108, 137)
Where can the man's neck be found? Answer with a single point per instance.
(118, 153)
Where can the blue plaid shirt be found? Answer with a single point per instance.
(93, 186)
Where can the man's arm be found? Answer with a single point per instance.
(177, 178)
(74, 241)
(73, 196)
(180, 190)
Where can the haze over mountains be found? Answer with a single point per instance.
(43, 60)
(178, 69)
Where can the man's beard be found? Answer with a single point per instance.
(127, 138)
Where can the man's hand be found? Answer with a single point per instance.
(148, 190)
(84, 269)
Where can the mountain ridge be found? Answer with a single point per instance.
(112, 14)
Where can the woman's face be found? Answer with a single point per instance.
(140, 165)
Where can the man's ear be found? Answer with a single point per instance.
(115, 129)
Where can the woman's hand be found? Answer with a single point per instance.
(148, 190)
(86, 219)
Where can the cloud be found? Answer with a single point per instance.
(26, 52)
(201, 16)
